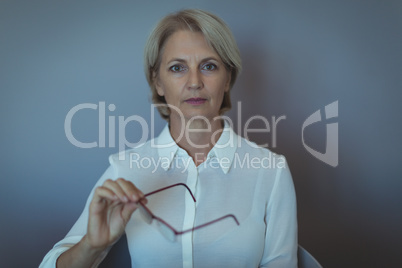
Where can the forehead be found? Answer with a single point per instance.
(185, 44)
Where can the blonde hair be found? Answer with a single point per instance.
(216, 33)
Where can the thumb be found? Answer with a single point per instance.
(128, 210)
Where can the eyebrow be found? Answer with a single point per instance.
(183, 60)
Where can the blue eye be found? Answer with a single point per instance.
(176, 68)
(209, 67)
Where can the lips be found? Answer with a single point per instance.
(195, 101)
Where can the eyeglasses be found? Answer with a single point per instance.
(167, 230)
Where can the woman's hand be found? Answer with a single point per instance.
(110, 210)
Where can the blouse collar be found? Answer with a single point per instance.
(224, 150)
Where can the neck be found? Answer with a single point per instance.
(197, 136)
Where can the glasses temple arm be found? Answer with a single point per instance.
(171, 186)
(211, 222)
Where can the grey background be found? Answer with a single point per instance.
(298, 56)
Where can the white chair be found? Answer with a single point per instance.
(306, 260)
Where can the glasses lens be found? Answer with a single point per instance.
(145, 214)
(166, 231)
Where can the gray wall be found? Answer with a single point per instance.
(298, 57)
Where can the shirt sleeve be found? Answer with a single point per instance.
(78, 230)
(281, 223)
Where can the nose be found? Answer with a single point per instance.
(194, 80)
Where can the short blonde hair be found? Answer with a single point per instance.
(215, 31)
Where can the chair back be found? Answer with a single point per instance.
(306, 260)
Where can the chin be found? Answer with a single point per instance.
(205, 112)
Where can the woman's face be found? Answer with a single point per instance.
(192, 77)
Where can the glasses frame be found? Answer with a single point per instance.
(177, 233)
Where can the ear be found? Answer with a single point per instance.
(229, 79)
(158, 86)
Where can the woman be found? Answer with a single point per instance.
(191, 63)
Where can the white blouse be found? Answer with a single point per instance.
(237, 178)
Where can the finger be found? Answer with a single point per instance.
(102, 192)
(143, 201)
(116, 189)
(130, 190)
(101, 195)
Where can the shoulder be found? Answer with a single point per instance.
(142, 151)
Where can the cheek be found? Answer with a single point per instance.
(222, 82)
(222, 86)
(170, 92)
